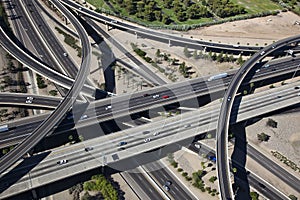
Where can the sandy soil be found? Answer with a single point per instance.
(284, 139)
(190, 162)
(253, 31)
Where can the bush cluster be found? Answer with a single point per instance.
(40, 81)
(285, 160)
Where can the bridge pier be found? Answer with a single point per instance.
(107, 27)
(169, 43)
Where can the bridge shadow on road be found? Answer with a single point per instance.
(22, 170)
(241, 185)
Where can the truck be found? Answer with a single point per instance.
(4, 128)
(218, 76)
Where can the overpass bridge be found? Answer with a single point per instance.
(125, 105)
(42, 169)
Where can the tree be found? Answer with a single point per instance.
(86, 196)
(263, 137)
(234, 170)
(226, 58)
(140, 7)
(70, 137)
(220, 57)
(181, 16)
(195, 55)
(240, 60)
(158, 53)
(130, 7)
(158, 15)
(254, 195)
(214, 56)
(231, 58)
(168, 3)
(212, 179)
(292, 197)
(186, 52)
(53, 92)
(272, 123)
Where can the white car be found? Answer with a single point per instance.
(108, 107)
(29, 98)
(83, 117)
(187, 125)
(61, 162)
(147, 140)
(65, 54)
(156, 133)
(155, 96)
(266, 66)
(28, 101)
(262, 53)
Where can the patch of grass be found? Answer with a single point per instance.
(258, 6)
(97, 3)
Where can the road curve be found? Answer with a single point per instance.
(46, 126)
(225, 112)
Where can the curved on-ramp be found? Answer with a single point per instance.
(45, 127)
(223, 172)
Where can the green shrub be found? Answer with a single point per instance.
(179, 169)
(184, 174)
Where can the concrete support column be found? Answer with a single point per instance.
(66, 21)
(169, 43)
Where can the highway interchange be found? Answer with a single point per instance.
(63, 105)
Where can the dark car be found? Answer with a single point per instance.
(146, 95)
(122, 143)
(88, 149)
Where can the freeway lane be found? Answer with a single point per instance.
(44, 128)
(146, 187)
(177, 190)
(54, 46)
(171, 132)
(225, 113)
(138, 103)
(38, 101)
(156, 35)
(41, 49)
(34, 64)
